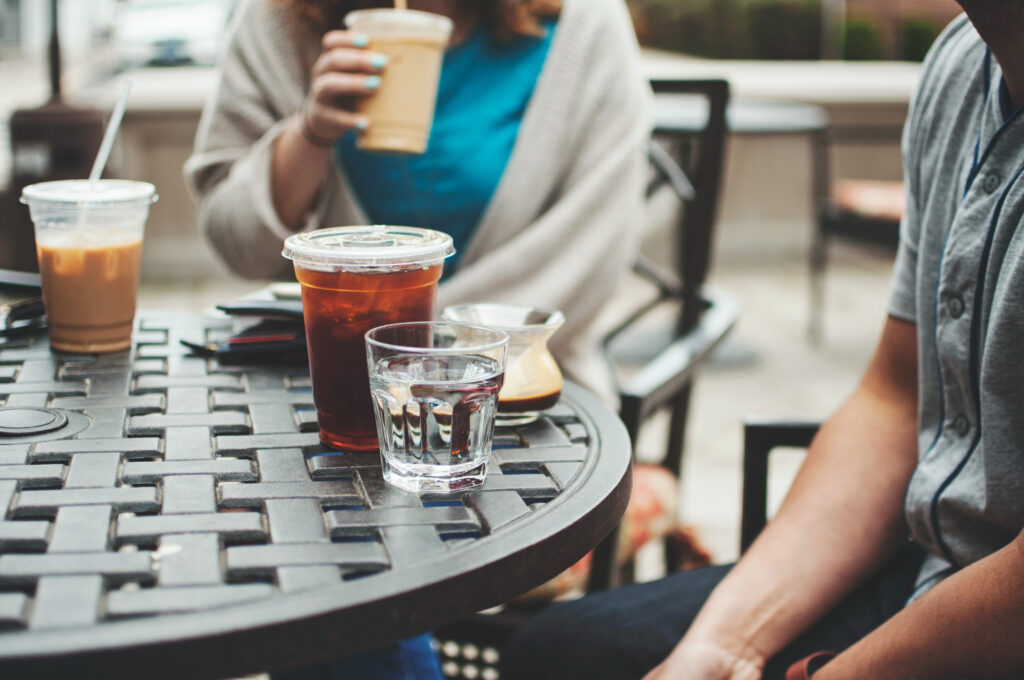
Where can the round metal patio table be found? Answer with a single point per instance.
(183, 520)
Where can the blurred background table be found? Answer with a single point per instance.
(183, 520)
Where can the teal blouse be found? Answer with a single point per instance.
(484, 89)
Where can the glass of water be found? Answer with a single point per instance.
(435, 388)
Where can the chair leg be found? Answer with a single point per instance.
(677, 432)
(674, 462)
(819, 246)
(673, 555)
(604, 572)
(819, 260)
(602, 565)
(627, 572)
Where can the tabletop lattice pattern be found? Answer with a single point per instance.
(189, 485)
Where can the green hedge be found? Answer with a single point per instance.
(699, 27)
(739, 29)
(916, 36)
(785, 30)
(765, 29)
(862, 41)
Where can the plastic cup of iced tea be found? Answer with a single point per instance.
(89, 245)
(353, 279)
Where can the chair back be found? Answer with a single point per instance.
(691, 118)
(656, 358)
(687, 156)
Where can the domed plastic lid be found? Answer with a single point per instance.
(70, 193)
(368, 248)
(403, 23)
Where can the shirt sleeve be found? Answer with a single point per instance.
(903, 288)
(903, 294)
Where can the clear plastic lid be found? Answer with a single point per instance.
(405, 23)
(368, 248)
(75, 193)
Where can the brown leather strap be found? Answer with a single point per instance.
(806, 667)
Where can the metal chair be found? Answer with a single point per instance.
(689, 164)
(657, 374)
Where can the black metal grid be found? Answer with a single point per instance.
(190, 488)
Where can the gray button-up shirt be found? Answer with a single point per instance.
(959, 276)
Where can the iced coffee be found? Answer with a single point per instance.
(354, 279)
(533, 381)
(89, 246)
(402, 109)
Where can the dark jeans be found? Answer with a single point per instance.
(624, 633)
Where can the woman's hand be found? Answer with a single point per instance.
(343, 71)
(705, 660)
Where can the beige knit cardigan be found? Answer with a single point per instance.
(562, 225)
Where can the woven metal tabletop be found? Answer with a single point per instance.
(187, 519)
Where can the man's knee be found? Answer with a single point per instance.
(621, 633)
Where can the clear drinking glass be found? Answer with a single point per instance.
(434, 387)
(533, 381)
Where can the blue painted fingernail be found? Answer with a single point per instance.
(362, 124)
(360, 40)
(371, 82)
(379, 60)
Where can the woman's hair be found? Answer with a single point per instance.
(507, 18)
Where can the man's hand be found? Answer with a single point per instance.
(704, 660)
(841, 520)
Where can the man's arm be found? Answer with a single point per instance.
(842, 519)
(968, 625)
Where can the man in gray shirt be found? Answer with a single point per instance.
(899, 545)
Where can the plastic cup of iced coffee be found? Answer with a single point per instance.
(353, 279)
(89, 245)
(401, 111)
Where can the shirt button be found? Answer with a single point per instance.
(956, 306)
(961, 425)
(991, 183)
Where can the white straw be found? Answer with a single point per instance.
(109, 135)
